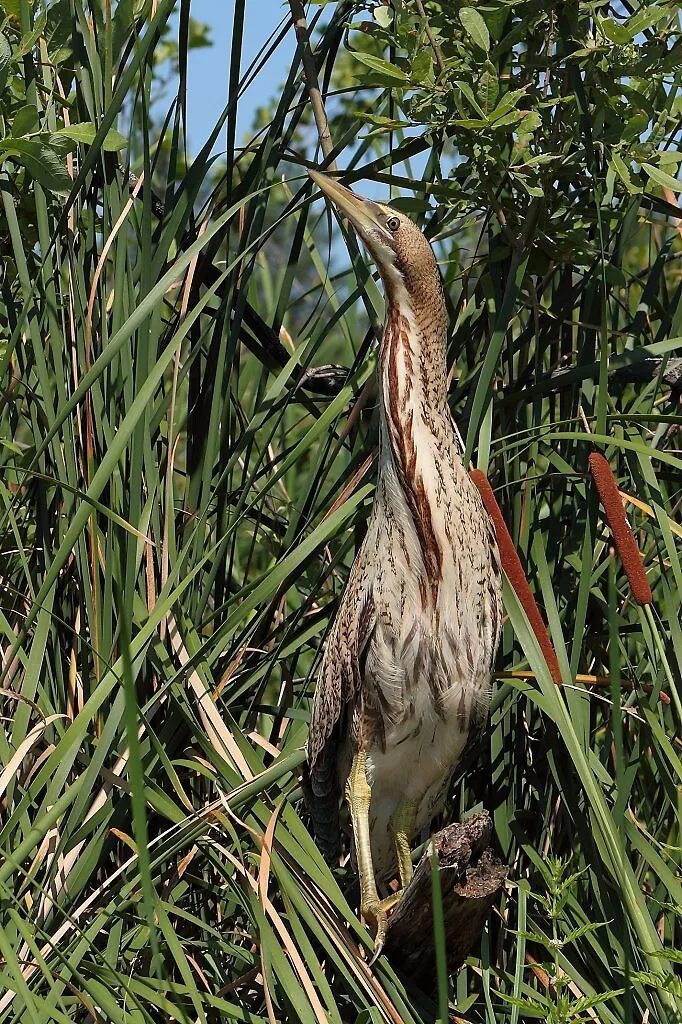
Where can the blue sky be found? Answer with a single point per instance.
(209, 69)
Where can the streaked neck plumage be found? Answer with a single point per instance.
(413, 348)
(417, 435)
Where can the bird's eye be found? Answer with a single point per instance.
(392, 223)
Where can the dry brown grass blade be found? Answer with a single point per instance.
(322, 908)
(649, 511)
(590, 680)
(352, 484)
(216, 730)
(12, 767)
(278, 923)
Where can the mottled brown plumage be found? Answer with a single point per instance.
(405, 678)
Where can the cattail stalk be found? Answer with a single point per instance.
(623, 536)
(511, 563)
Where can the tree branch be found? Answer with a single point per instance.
(471, 878)
(437, 52)
(638, 371)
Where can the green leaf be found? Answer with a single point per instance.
(383, 67)
(13, 8)
(588, 1002)
(530, 121)
(512, 117)
(475, 27)
(25, 120)
(644, 18)
(381, 122)
(673, 955)
(41, 161)
(635, 126)
(422, 67)
(623, 173)
(658, 981)
(383, 15)
(668, 156)
(661, 178)
(488, 90)
(5, 59)
(28, 41)
(474, 123)
(614, 31)
(85, 133)
(531, 190)
(508, 102)
(468, 92)
(16, 448)
(529, 1007)
(585, 929)
(370, 1016)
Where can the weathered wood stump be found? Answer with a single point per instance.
(471, 877)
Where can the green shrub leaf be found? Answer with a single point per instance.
(85, 132)
(41, 161)
(475, 27)
(383, 67)
(662, 178)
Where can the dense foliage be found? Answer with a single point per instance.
(183, 489)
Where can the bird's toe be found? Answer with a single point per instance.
(392, 901)
(376, 918)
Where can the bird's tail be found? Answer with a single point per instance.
(321, 790)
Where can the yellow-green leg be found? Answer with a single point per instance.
(358, 794)
(402, 827)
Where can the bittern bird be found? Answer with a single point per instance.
(404, 684)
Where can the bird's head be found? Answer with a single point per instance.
(395, 243)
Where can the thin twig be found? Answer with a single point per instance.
(437, 52)
(312, 83)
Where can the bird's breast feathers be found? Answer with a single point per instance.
(430, 654)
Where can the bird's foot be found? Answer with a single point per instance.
(377, 919)
(376, 916)
(392, 901)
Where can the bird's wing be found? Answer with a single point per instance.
(338, 683)
(340, 677)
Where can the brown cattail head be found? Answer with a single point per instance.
(620, 528)
(511, 563)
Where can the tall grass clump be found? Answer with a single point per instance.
(187, 425)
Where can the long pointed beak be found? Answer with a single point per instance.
(362, 213)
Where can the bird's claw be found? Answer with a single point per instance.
(377, 919)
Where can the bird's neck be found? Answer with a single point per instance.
(418, 443)
(412, 362)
